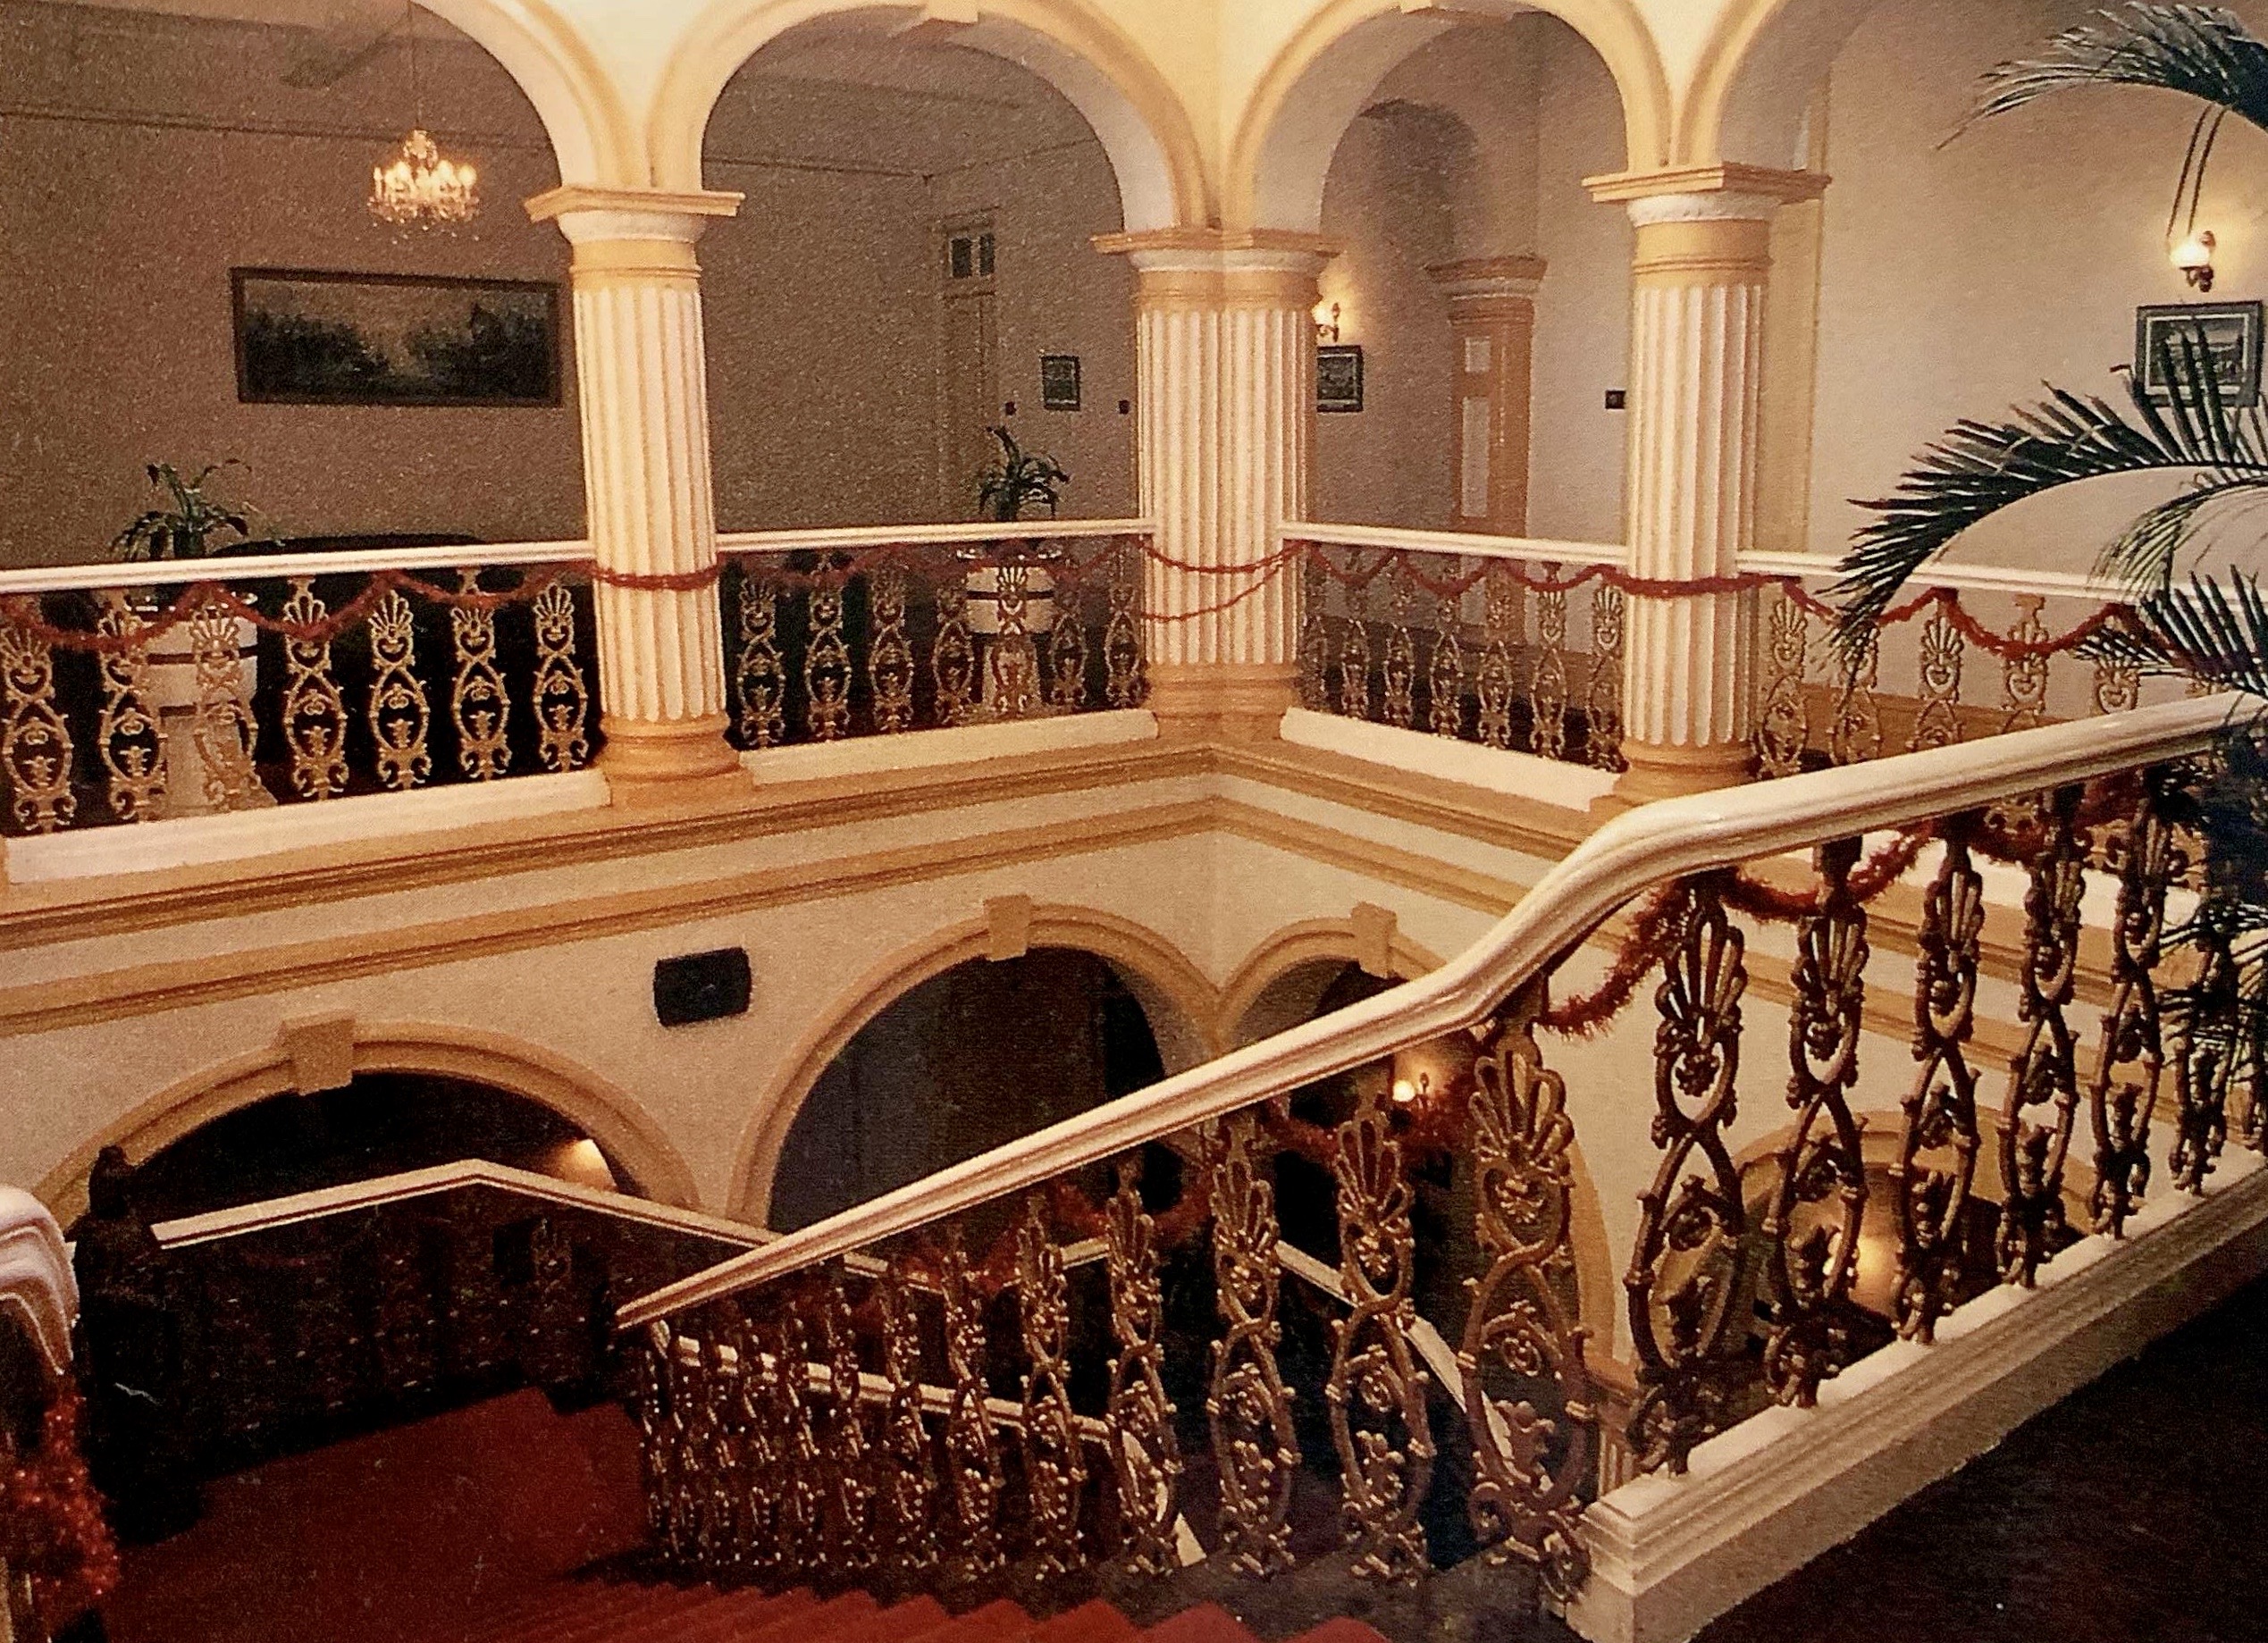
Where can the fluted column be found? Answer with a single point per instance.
(1703, 261)
(1226, 378)
(641, 378)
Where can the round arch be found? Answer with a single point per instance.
(1755, 78)
(1317, 84)
(623, 1130)
(592, 133)
(1143, 127)
(1182, 1006)
(1301, 946)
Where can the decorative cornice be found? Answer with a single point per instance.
(1722, 178)
(1217, 242)
(1490, 276)
(578, 197)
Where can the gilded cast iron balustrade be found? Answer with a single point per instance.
(880, 638)
(242, 685)
(1449, 1377)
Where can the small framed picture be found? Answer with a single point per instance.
(1339, 377)
(1059, 381)
(2228, 333)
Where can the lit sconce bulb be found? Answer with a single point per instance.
(1406, 1093)
(2193, 257)
(1326, 323)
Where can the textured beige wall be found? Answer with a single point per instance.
(1957, 279)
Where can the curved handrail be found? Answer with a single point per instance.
(1658, 843)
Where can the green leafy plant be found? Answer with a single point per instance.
(2191, 621)
(194, 524)
(1018, 479)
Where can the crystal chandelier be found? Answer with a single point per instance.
(419, 187)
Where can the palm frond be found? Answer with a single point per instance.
(2213, 630)
(2202, 51)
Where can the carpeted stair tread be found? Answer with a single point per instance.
(1208, 1622)
(1097, 1621)
(725, 1618)
(1341, 1631)
(837, 1620)
(585, 1614)
(1000, 1621)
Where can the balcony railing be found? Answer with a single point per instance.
(130, 693)
(1747, 1286)
(1515, 643)
(837, 633)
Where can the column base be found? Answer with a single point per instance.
(1242, 702)
(1658, 772)
(670, 762)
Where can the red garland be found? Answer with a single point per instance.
(51, 1521)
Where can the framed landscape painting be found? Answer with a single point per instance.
(307, 337)
(2228, 334)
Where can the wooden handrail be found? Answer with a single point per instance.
(742, 542)
(1654, 844)
(1472, 544)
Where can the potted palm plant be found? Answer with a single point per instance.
(2198, 614)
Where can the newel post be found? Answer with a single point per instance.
(641, 379)
(1702, 261)
(1226, 379)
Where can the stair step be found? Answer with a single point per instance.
(835, 1621)
(1097, 1621)
(1208, 1622)
(998, 1621)
(1341, 1631)
(585, 1613)
(725, 1618)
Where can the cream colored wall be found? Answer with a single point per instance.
(1958, 279)
(116, 239)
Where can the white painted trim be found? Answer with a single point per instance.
(271, 567)
(273, 1212)
(1498, 770)
(927, 535)
(1637, 850)
(856, 756)
(1472, 544)
(192, 841)
(1960, 578)
(1669, 1555)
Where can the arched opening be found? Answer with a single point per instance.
(914, 246)
(154, 159)
(1488, 294)
(380, 1124)
(962, 1062)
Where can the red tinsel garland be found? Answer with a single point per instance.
(51, 1521)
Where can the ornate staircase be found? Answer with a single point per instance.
(628, 1612)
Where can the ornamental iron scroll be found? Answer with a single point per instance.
(35, 743)
(561, 699)
(760, 680)
(1011, 660)
(1401, 668)
(1354, 656)
(1055, 1465)
(1689, 1282)
(1548, 690)
(1856, 735)
(2130, 1064)
(1376, 1393)
(1783, 726)
(1527, 1396)
(803, 1504)
(131, 744)
(1314, 636)
(1125, 683)
(1445, 678)
(398, 712)
(1067, 647)
(827, 664)
(1812, 1230)
(657, 1460)
(1501, 629)
(1145, 1455)
(1936, 720)
(851, 1491)
(2209, 1045)
(1603, 703)
(952, 655)
(221, 727)
(908, 1458)
(314, 714)
(889, 656)
(759, 1488)
(2043, 1074)
(972, 1459)
(1938, 1140)
(479, 705)
(1247, 1403)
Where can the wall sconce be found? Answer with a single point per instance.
(2193, 257)
(1408, 1095)
(1326, 323)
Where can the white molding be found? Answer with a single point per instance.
(195, 840)
(1960, 578)
(271, 567)
(1499, 770)
(959, 744)
(847, 537)
(1471, 544)
(1669, 1555)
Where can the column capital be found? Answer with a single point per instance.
(591, 215)
(1223, 251)
(1485, 277)
(1721, 190)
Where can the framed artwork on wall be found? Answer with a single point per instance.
(316, 337)
(1059, 381)
(2228, 333)
(1339, 377)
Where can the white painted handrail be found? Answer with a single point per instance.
(269, 567)
(270, 1214)
(745, 542)
(1648, 846)
(1960, 578)
(1472, 545)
